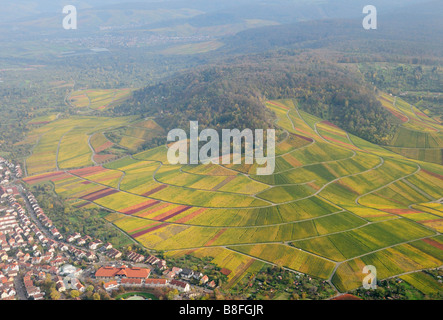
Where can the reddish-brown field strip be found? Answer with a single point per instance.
(99, 158)
(103, 147)
(434, 243)
(223, 183)
(341, 183)
(331, 125)
(240, 272)
(436, 175)
(402, 211)
(103, 189)
(99, 194)
(156, 208)
(278, 105)
(108, 193)
(210, 242)
(43, 177)
(90, 189)
(171, 213)
(378, 216)
(303, 137)
(87, 171)
(191, 215)
(398, 115)
(430, 221)
(141, 207)
(61, 177)
(157, 189)
(140, 233)
(226, 271)
(341, 142)
(304, 132)
(82, 205)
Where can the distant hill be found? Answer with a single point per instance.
(176, 16)
(397, 33)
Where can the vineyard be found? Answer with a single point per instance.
(334, 203)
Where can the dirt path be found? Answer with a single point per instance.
(93, 151)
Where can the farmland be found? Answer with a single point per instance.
(65, 143)
(98, 99)
(334, 204)
(419, 136)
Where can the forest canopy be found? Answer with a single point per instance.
(233, 95)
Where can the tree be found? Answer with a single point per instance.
(54, 294)
(295, 296)
(171, 294)
(96, 296)
(75, 294)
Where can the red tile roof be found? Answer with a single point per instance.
(156, 281)
(109, 272)
(131, 281)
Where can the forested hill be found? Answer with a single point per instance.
(233, 95)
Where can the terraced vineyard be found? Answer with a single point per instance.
(98, 99)
(419, 137)
(334, 204)
(64, 144)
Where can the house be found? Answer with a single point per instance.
(169, 274)
(3, 255)
(7, 294)
(155, 283)
(91, 256)
(212, 284)
(177, 270)
(135, 257)
(73, 283)
(11, 268)
(152, 260)
(69, 269)
(204, 279)
(114, 254)
(111, 285)
(180, 285)
(122, 272)
(79, 287)
(73, 237)
(161, 264)
(186, 273)
(60, 285)
(32, 291)
(94, 244)
(39, 296)
(131, 282)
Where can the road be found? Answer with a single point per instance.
(20, 288)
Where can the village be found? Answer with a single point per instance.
(37, 262)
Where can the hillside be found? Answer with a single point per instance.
(232, 95)
(334, 203)
(407, 33)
